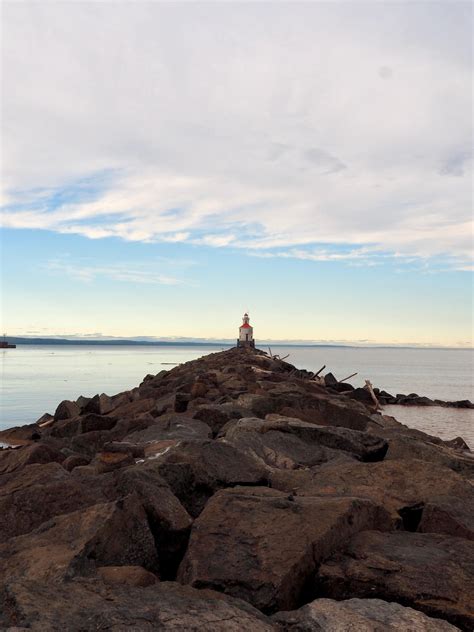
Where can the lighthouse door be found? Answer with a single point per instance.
(246, 337)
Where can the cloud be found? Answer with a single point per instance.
(255, 127)
(128, 272)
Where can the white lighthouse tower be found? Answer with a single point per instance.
(245, 333)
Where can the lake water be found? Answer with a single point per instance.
(35, 378)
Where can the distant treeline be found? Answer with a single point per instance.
(138, 343)
(147, 343)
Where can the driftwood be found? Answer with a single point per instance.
(276, 356)
(348, 377)
(368, 386)
(321, 369)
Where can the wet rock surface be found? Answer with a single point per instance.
(234, 492)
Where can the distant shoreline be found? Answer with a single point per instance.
(181, 343)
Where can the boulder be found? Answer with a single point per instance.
(91, 604)
(38, 492)
(260, 405)
(420, 495)
(15, 459)
(195, 471)
(171, 426)
(181, 401)
(288, 443)
(125, 447)
(75, 460)
(199, 389)
(215, 417)
(168, 520)
(129, 575)
(329, 411)
(343, 387)
(263, 546)
(358, 615)
(330, 380)
(407, 443)
(134, 408)
(20, 435)
(82, 401)
(66, 410)
(110, 461)
(45, 420)
(430, 572)
(361, 395)
(362, 445)
(92, 421)
(99, 405)
(110, 534)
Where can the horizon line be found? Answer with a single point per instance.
(181, 341)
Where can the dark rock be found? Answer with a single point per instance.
(75, 460)
(396, 485)
(64, 428)
(110, 461)
(90, 604)
(99, 405)
(463, 403)
(82, 401)
(15, 459)
(94, 421)
(213, 416)
(361, 395)
(131, 409)
(328, 411)
(111, 534)
(363, 445)
(66, 410)
(430, 572)
(172, 426)
(255, 544)
(458, 444)
(272, 447)
(359, 615)
(128, 575)
(125, 447)
(330, 380)
(199, 389)
(89, 443)
(168, 520)
(181, 402)
(406, 443)
(343, 387)
(38, 492)
(418, 401)
(19, 435)
(260, 405)
(195, 471)
(45, 420)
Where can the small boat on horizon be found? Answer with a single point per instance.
(4, 344)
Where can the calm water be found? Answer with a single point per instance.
(34, 379)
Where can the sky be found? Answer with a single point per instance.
(168, 166)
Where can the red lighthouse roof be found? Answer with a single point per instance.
(245, 326)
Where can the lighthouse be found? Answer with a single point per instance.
(245, 338)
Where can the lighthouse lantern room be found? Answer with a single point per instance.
(245, 333)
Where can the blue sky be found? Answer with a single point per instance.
(167, 166)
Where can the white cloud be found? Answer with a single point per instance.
(130, 272)
(242, 125)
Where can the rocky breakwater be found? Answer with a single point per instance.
(233, 492)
